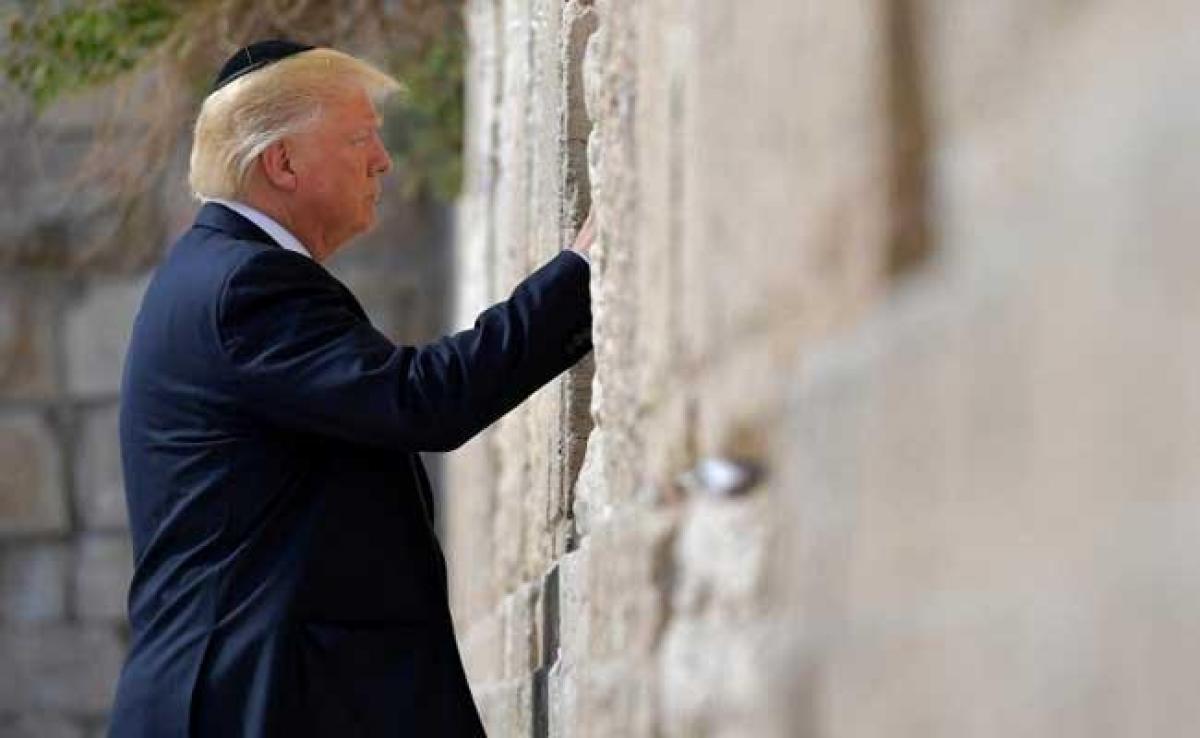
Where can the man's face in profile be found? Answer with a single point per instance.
(339, 163)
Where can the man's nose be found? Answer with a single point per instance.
(383, 160)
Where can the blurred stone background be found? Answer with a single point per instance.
(924, 268)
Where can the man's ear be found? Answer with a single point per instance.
(278, 167)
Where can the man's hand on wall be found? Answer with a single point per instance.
(585, 237)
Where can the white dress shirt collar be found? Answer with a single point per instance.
(269, 225)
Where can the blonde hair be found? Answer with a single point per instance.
(240, 120)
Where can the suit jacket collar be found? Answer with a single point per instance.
(218, 217)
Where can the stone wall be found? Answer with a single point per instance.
(65, 558)
(925, 273)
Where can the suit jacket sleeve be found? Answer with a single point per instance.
(299, 353)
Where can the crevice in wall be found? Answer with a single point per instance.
(579, 23)
(548, 653)
(911, 240)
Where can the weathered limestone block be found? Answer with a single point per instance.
(579, 22)
(469, 515)
(32, 494)
(522, 631)
(805, 152)
(562, 681)
(573, 597)
(506, 707)
(563, 700)
(482, 647)
(33, 581)
(28, 369)
(714, 679)
(67, 670)
(512, 484)
(40, 726)
(546, 134)
(99, 478)
(516, 140)
(981, 57)
(664, 38)
(41, 227)
(98, 327)
(609, 73)
(720, 558)
(734, 408)
(475, 242)
(616, 698)
(103, 569)
(543, 507)
(992, 493)
(629, 561)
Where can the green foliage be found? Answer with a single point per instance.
(80, 45)
(72, 45)
(424, 132)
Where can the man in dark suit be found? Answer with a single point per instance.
(288, 581)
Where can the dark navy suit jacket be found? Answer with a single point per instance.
(288, 581)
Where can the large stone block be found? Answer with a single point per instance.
(804, 151)
(32, 494)
(574, 596)
(98, 326)
(40, 726)
(103, 569)
(506, 707)
(718, 678)
(546, 131)
(562, 688)
(720, 558)
(579, 22)
(543, 500)
(33, 581)
(522, 631)
(99, 478)
(469, 516)
(630, 562)
(608, 75)
(71, 670)
(28, 315)
(616, 698)
(41, 227)
(482, 646)
(512, 210)
(512, 484)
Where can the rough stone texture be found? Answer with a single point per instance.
(99, 480)
(506, 707)
(33, 581)
(98, 325)
(32, 493)
(65, 669)
(103, 567)
(40, 726)
(28, 365)
(928, 268)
